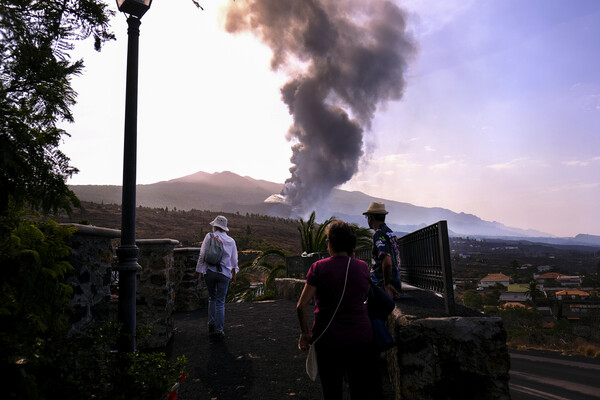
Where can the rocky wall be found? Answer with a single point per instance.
(93, 257)
(190, 292)
(289, 288)
(156, 291)
(448, 358)
(165, 283)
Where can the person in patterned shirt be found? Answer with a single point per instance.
(385, 270)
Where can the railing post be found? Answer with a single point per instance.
(445, 263)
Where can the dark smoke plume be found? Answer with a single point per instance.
(353, 56)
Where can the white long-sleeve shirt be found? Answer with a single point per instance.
(229, 261)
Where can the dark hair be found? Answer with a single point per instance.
(342, 237)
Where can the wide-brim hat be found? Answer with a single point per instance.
(220, 222)
(376, 208)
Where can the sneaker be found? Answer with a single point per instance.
(211, 328)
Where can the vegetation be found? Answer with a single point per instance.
(533, 292)
(526, 330)
(312, 236)
(33, 295)
(256, 279)
(38, 359)
(37, 355)
(36, 94)
(251, 231)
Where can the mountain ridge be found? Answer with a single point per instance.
(228, 192)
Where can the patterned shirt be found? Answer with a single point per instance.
(385, 243)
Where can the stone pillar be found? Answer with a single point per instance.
(190, 293)
(155, 291)
(448, 358)
(92, 258)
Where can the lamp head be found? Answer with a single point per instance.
(136, 8)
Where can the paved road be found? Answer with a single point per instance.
(546, 375)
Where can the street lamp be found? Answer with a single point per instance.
(127, 252)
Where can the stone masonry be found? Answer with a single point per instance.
(155, 291)
(92, 258)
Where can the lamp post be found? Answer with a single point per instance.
(127, 252)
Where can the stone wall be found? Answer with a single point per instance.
(448, 358)
(289, 288)
(190, 293)
(165, 283)
(93, 258)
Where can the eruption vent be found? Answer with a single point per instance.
(354, 55)
(277, 199)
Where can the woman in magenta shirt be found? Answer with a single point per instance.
(346, 347)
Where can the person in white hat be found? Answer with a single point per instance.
(385, 271)
(218, 276)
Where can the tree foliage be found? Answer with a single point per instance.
(534, 292)
(33, 292)
(312, 235)
(36, 94)
(364, 237)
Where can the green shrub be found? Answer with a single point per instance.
(38, 359)
(33, 292)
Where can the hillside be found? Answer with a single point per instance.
(229, 192)
(251, 232)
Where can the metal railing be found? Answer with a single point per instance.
(425, 261)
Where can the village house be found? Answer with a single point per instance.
(492, 279)
(544, 268)
(554, 278)
(572, 294)
(546, 278)
(571, 281)
(516, 292)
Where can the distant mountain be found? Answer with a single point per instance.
(229, 192)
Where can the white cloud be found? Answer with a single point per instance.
(445, 165)
(575, 187)
(576, 163)
(508, 164)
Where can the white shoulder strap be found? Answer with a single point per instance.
(340, 302)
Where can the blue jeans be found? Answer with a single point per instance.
(217, 285)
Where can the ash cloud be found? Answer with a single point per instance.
(353, 55)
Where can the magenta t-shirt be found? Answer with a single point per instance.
(351, 324)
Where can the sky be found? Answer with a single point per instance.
(500, 114)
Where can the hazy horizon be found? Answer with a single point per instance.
(543, 234)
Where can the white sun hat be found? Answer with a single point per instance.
(220, 222)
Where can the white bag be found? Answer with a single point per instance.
(311, 363)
